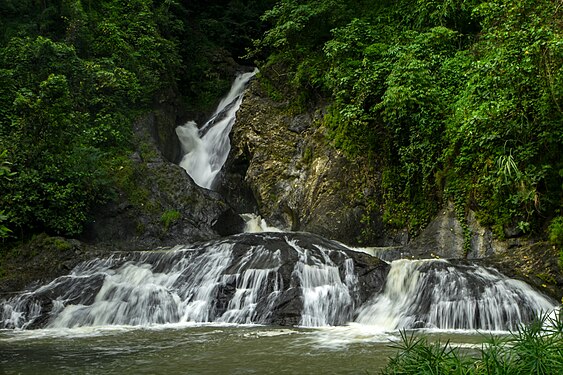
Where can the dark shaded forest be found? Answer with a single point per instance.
(73, 77)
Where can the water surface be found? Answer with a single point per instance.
(208, 349)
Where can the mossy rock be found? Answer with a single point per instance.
(41, 258)
(537, 264)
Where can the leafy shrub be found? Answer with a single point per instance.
(556, 231)
(536, 348)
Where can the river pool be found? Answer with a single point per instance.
(207, 349)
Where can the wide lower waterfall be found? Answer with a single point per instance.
(275, 278)
(206, 149)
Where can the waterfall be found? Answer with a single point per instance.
(275, 278)
(326, 299)
(255, 224)
(236, 280)
(206, 149)
(252, 282)
(438, 294)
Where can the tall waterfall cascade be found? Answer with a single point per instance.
(273, 278)
(206, 148)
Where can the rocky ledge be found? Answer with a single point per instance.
(296, 179)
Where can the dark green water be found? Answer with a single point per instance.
(200, 350)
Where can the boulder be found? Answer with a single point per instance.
(445, 237)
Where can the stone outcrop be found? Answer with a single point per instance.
(522, 258)
(536, 263)
(40, 260)
(297, 179)
(288, 308)
(158, 203)
(446, 237)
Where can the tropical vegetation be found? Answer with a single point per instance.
(452, 100)
(536, 349)
(457, 100)
(75, 74)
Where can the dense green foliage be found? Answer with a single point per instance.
(5, 174)
(534, 349)
(458, 100)
(74, 74)
(73, 77)
(555, 233)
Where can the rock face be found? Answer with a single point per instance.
(158, 203)
(535, 263)
(445, 237)
(42, 259)
(297, 179)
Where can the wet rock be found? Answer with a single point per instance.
(271, 269)
(535, 263)
(158, 204)
(445, 237)
(297, 179)
(371, 272)
(228, 222)
(287, 310)
(41, 259)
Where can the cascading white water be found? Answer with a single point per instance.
(279, 278)
(138, 294)
(255, 224)
(435, 294)
(251, 284)
(326, 299)
(206, 149)
(206, 283)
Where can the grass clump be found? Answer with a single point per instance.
(536, 348)
(169, 217)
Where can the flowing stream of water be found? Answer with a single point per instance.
(206, 149)
(193, 350)
(247, 279)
